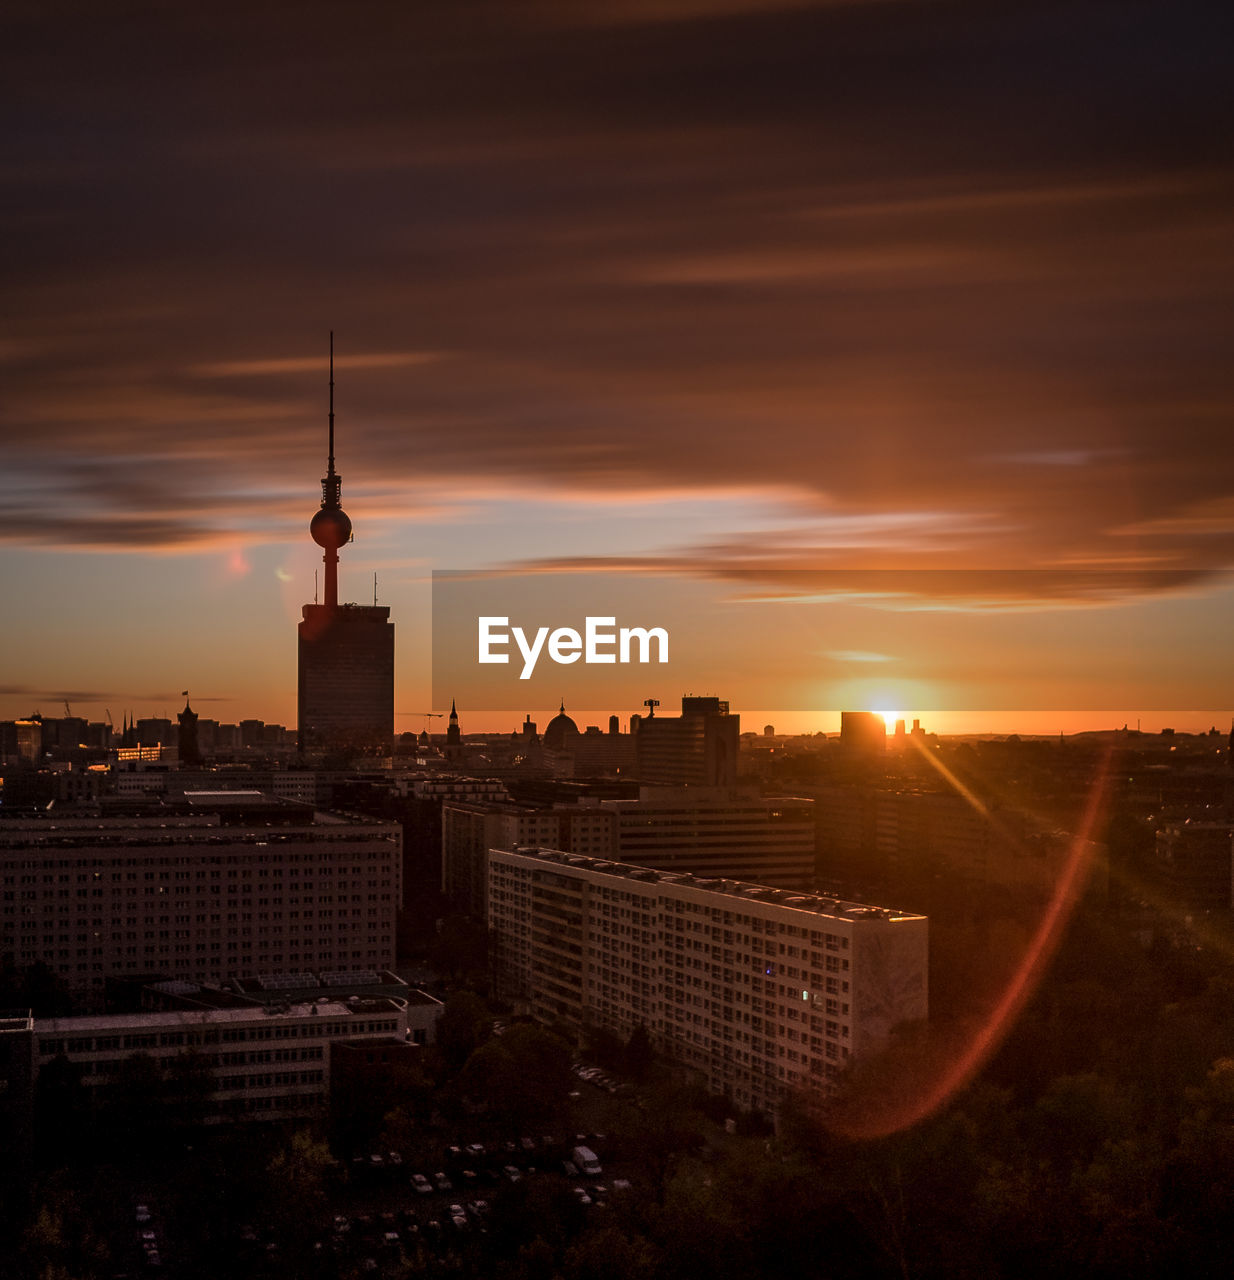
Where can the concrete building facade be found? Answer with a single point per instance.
(195, 899)
(469, 829)
(757, 990)
(697, 748)
(718, 832)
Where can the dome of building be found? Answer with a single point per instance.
(559, 729)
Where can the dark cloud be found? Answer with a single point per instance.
(963, 264)
(92, 695)
(762, 577)
(60, 695)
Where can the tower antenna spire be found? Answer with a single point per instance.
(331, 527)
(330, 468)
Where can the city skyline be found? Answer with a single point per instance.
(721, 293)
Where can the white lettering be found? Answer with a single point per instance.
(565, 645)
(644, 636)
(488, 638)
(530, 656)
(596, 637)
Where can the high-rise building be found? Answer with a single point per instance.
(863, 733)
(346, 667)
(470, 828)
(759, 990)
(718, 831)
(200, 897)
(699, 748)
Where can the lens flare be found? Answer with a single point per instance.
(934, 1079)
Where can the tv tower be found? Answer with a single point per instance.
(331, 526)
(346, 651)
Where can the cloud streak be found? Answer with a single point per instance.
(950, 275)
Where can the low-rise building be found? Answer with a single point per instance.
(261, 1057)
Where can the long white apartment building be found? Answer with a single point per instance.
(197, 898)
(758, 989)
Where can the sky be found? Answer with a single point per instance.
(729, 298)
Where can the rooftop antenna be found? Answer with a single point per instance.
(374, 589)
(331, 526)
(314, 586)
(330, 468)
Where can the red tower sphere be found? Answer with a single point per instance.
(331, 528)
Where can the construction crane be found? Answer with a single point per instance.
(428, 715)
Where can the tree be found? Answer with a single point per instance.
(522, 1077)
(135, 1114)
(63, 1115)
(638, 1055)
(294, 1195)
(459, 949)
(611, 1253)
(188, 1084)
(464, 1025)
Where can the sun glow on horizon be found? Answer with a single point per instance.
(889, 717)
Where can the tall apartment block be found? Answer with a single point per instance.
(757, 989)
(195, 899)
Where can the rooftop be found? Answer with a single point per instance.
(814, 904)
(110, 1023)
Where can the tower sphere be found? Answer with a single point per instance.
(330, 528)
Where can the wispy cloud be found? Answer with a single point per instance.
(316, 364)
